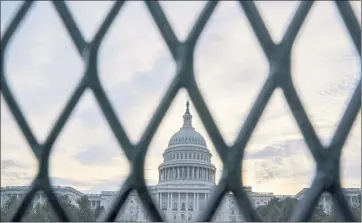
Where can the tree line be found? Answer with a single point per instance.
(275, 210)
(282, 210)
(43, 211)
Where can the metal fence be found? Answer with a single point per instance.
(279, 58)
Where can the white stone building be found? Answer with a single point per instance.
(186, 179)
(19, 191)
(325, 200)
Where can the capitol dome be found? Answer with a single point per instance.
(187, 158)
(187, 134)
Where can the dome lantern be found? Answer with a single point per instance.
(187, 117)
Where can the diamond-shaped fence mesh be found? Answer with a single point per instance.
(279, 58)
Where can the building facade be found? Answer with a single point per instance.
(326, 202)
(186, 180)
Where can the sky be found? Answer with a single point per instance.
(135, 66)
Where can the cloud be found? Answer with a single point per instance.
(96, 155)
(135, 68)
(11, 164)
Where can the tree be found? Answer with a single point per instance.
(282, 210)
(7, 208)
(277, 210)
(85, 212)
(43, 211)
(356, 208)
(98, 211)
(319, 214)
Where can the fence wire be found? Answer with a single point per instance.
(279, 58)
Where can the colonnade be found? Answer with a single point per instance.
(185, 203)
(187, 173)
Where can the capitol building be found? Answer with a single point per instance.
(186, 180)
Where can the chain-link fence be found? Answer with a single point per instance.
(279, 58)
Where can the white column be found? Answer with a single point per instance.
(161, 200)
(193, 172)
(168, 201)
(179, 201)
(171, 201)
(187, 204)
(194, 205)
(197, 200)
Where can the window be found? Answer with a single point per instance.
(190, 208)
(164, 206)
(174, 216)
(183, 206)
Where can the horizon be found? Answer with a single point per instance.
(43, 67)
(100, 192)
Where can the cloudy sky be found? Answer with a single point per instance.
(136, 68)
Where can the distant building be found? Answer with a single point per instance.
(19, 191)
(326, 200)
(186, 179)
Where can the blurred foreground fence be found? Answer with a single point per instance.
(279, 58)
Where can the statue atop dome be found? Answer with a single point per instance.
(187, 117)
